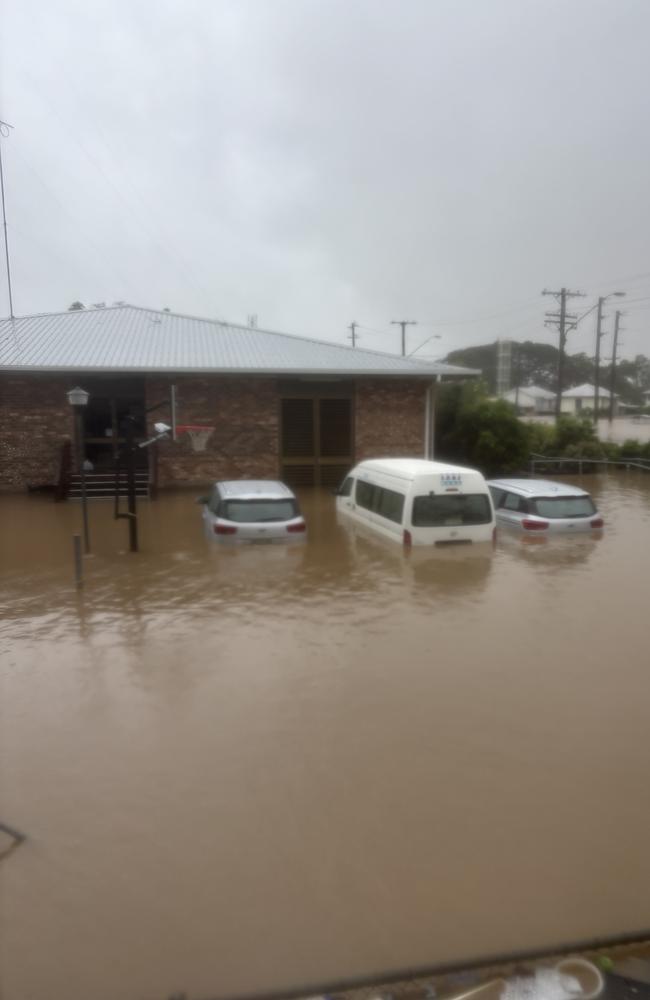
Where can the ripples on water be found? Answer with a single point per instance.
(272, 765)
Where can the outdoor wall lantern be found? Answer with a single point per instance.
(78, 397)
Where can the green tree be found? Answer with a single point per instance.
(480, 432)
(76, 306)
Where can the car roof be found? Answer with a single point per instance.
(253, 489)
(538, 488)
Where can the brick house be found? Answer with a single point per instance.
(281, 406)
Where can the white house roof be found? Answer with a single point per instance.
(585, 391)
(535, 391)
(131, 339)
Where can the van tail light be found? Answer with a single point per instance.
(224, 529)
(406, 537)
(299, 526)
(534, 525)
(597, 522)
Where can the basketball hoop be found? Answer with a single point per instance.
(198, 435)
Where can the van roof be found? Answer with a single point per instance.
(253, 489)
(408, 468)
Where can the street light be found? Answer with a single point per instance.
(434, 336)
(78, 400)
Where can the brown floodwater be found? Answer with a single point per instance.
(255, 768)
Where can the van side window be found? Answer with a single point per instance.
(390, 504)
(386, 503)
(345, 489)
(365, 495)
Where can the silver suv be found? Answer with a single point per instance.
(252, 510)
(540, 505)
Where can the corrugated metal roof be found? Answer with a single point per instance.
(535, 391)
(132, 339)
(585, 391)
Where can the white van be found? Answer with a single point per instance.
(416, 502)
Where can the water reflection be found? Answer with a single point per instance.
(269, 766)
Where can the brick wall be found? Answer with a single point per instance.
(245, 415)
(35, 420)
(389, 418)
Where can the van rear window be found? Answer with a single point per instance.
(446, 509)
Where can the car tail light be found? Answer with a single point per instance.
(224, 529)
(534, 525)
(406, 537)
(597, 522)
(297, 527)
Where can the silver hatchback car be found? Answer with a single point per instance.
(252, 510)
(540, 505)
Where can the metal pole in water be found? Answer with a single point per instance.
(78, 561)
(131, 487)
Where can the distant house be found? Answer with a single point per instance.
(531, 399)
(278, 406)
(582, 397)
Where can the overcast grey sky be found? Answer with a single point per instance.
(322, 161)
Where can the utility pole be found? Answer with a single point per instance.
(353, 334)
(403, 323)
(612, 381)
(4, 132)
(599, 336)
(564, 322)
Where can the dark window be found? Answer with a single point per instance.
(248, 511)
(514, 502)
(345, 489)
(390, 504)
(365, 495)
(563, 507)
(386, 503)
(449, 509)
(497, 496)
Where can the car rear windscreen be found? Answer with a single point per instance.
(249, 511)
(553, 507)
(450, 509)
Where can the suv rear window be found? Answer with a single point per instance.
(552, 507)
(449, 509)
(248, 511)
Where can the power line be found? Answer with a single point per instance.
(172, 255)
(79, 231)
(4, 132)
(521, 307)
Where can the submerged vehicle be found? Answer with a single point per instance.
(253, 510)
(417, 502)
(540, 505)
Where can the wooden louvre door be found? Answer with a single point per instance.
(316, 439)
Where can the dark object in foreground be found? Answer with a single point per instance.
(16, 838)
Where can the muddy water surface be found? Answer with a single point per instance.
(256, 768)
